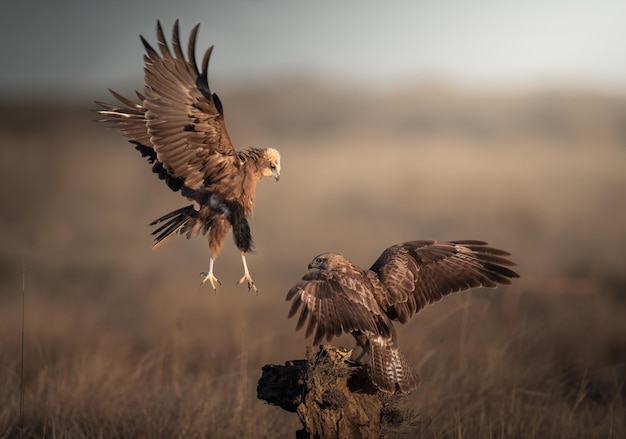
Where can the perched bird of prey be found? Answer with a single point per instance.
(178, 124)
(339, 297)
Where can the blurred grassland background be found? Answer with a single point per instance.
(123, 341)
(494, 121)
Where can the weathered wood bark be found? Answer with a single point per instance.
(333, 397)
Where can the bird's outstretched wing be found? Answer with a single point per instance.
(177, 115)
(129, 118)
(418, 273)
(335, 303)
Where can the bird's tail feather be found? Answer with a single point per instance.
(390, 367)
(174, 222)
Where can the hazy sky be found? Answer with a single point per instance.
(78, 48)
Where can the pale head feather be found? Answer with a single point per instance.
(273, 163)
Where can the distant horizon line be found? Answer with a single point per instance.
(13, 94)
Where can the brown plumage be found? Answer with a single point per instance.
(178, 124)
(339, 297)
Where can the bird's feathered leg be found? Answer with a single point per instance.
(208, 276)
(246, 275)
(218, 229)
(361, 355)
(243, 240)
(361, 341)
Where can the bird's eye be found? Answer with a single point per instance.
(273, 167)
(318, 260)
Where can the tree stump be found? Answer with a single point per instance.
(333, 396)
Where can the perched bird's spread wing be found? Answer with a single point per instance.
(178, 116)
(418, 273)
(342, 298)
(336, 303)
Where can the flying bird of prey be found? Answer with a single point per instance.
(178, 125)
(339, 297)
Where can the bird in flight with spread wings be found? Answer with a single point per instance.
(339, 297)
(178, 125)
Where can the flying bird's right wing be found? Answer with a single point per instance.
(334, 303)
(178, 116)
(418, 273)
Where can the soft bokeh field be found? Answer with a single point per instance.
(121, 341)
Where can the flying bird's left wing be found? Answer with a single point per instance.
(185, 120)
(129, 118)
(177, 115)
(418, 273)
(335, 303)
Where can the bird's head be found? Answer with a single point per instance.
(327, 261)
(271, 164)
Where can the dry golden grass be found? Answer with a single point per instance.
(121, 341)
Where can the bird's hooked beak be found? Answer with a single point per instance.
(276, 176)
(315, 263)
